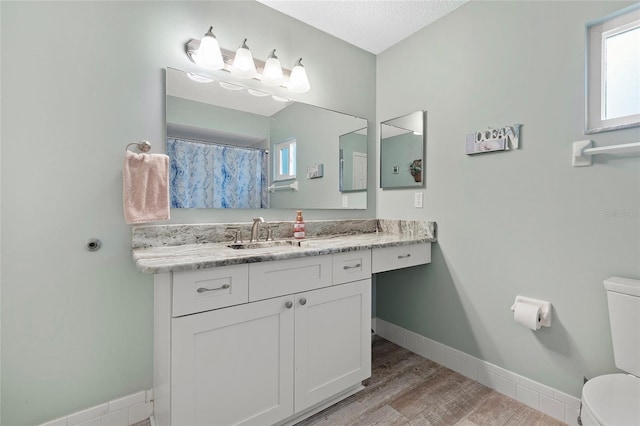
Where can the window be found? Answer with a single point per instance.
(613, 72)
(284, 166)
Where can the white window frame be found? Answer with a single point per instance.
(277, 147)
(596, 32)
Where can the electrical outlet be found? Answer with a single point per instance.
(417, 200)
(345, 201)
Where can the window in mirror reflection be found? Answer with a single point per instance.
(285, 160)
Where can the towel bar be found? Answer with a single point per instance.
(583, 150)
(293, 186)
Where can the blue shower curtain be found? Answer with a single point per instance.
(208, 175)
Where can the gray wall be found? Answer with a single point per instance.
(521, 222)
(399, 151)
(81, 80)
(199, 115)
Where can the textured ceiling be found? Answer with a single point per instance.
(372, 25)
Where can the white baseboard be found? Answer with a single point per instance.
(552, 402)
(127, 410)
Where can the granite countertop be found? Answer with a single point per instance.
(172, 248)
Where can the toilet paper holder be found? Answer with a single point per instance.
(545, 308)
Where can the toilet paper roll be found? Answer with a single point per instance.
(528, 315)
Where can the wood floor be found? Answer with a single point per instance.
(406, 389)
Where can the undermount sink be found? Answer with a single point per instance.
(264, 244)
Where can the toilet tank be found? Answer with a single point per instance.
(623, 296)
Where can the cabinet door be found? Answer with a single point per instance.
(332, 341)
(233, 366)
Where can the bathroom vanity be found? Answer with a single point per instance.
(269, 334)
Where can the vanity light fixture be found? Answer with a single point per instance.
(298, 82)
(272, 73)
(243, 65)
(208, 54)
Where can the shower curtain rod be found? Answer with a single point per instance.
(266, 151)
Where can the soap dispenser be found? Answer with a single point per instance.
(298, 226)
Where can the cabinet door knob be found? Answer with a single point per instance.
(303, 301)
(289, 304)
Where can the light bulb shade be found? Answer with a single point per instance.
(243, 65)
(208, 54)
(272, 73)
(298, 82)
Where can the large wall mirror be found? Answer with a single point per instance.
(233, 147)
(402, 151)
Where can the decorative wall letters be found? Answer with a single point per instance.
(491, 140)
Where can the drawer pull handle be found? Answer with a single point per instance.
(223, 287)
(357, 265)
(303, 301)
(289, 304)
(404, 256)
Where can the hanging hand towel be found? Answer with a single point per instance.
(145, 186)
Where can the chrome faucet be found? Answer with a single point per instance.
(255, 229)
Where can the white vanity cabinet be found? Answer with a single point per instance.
(299, 340)
(332, 342)
(233, 366)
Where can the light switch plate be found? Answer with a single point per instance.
(417, 200)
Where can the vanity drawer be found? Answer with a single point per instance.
(389, 258)
(277, 278)
(351, 266)
(206, 289)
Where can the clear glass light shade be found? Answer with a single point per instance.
(298, 82)
(272, 73)
(209, 55)
(243, 65)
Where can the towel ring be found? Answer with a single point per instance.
(143, 146)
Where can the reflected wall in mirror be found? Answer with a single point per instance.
(233, 147)
(402, 151)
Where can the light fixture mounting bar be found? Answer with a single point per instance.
(227, 55)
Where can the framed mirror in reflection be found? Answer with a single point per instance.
(402, 151)
(233, 147)
(353, 161)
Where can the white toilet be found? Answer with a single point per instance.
(614, 399)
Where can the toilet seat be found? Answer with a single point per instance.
(613, 399)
